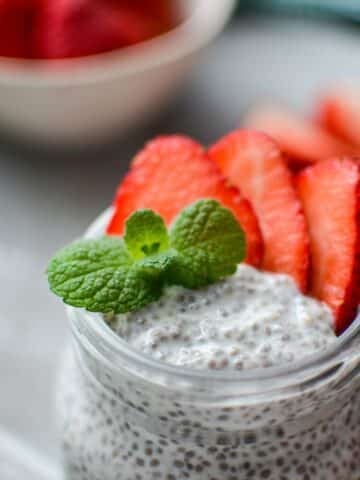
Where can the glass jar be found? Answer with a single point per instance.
(125, 416)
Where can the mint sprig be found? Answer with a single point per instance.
(115, 275)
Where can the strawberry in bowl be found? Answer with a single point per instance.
(74, 28)
(57, 56)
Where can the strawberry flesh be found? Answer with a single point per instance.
(172, 172)
(339, 112)
(254, 163)
(329, 192)
(302, 141)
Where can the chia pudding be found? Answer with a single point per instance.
(250, 320)
(206, 385)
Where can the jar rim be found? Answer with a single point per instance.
(105, 343)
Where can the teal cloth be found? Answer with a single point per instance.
(347, 9)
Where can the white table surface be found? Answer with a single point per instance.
(47, 199)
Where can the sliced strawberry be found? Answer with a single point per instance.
(172, 172)
(302, 141)
(73, 28)
(339, 112)
(329, 192)
(254, 163)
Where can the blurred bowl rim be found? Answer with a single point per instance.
(206, 19)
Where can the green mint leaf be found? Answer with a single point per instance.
(159, 264)
(100, 276)
(145, 234)
(210, 243)
(114, 275)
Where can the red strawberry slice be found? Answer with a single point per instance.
(254, 163)
(302, 141)
(74, 28)
(172, 172)
(339, 112)
(329, 192)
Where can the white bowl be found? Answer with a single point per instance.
(86, 100)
